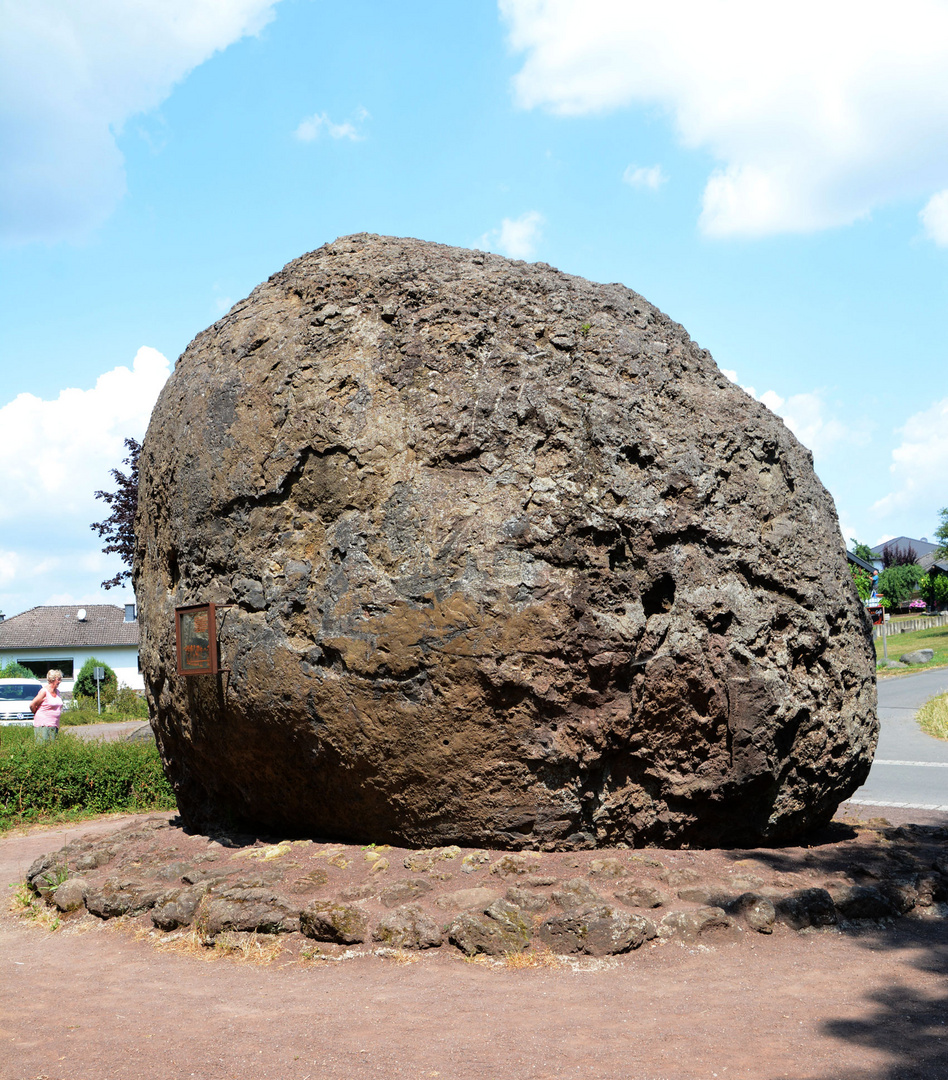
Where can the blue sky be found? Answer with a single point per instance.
(782, 193)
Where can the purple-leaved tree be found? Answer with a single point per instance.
(118, 529)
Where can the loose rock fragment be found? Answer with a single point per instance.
(401, 891)
(644, 896)
(344, 924)
(408, 927)
(805, 908)
(596, 930)
(757, 911)
(688, 925)
(71, 895)
(473, 934)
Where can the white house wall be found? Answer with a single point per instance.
(122, 659)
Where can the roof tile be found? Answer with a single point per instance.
(59, 627)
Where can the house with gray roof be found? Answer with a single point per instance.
(65, 637)
(924, 553)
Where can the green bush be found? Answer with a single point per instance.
(70, 776)
(13, 670)
(84, 685)
(129, 704)
(863, 581)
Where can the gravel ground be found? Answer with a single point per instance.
(99, 1001)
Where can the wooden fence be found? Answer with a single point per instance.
(904, 626)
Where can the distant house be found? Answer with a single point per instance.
(861, 563)
(65, 638)
(924, 552)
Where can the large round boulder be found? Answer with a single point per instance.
(512, 564)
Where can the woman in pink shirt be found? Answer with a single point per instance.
(46, 708)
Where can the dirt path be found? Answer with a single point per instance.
(99, 1005)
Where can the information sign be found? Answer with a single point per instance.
(196, 639)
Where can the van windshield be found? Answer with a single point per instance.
(19, 692)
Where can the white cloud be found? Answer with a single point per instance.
(638, 176)
(313, 126)
(920, 465)
(934, 217)
(807, 416)
(817, 113)
(517, 237)
(9, 567)
(54, 455)
(71, 75)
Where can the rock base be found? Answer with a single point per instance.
(337, 897)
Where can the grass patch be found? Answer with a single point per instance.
(28, 906)
(936, 638)
(933, 717)
(69, 779)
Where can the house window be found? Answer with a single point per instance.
(40, 667)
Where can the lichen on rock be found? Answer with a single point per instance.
(498, 579)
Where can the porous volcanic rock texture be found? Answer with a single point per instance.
(513, 564)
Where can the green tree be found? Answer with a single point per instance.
(861, 551)
(13, 670)
(898, 583)
(942, 534)
(934, 587)
(84, 685)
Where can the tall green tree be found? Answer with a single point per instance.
(941, 534)
(861, 551)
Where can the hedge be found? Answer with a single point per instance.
(71, 776)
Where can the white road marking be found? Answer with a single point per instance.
(899, 805)
(924, 764)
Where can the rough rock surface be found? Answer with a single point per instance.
(513, 563)
(327, 899)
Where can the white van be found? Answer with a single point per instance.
(15, 698)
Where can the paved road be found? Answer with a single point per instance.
(107, 732)
(910, 768)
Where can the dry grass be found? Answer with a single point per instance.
(519, 961)
(245, 948)
(399, 956)
(250, 948)
(539, 958)
(933, 717)
(28, 906)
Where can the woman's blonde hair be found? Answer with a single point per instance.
(54, 673)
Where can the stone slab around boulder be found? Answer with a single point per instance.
(510, 563)
(326, 900)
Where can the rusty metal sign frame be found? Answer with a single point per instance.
(196, 657)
